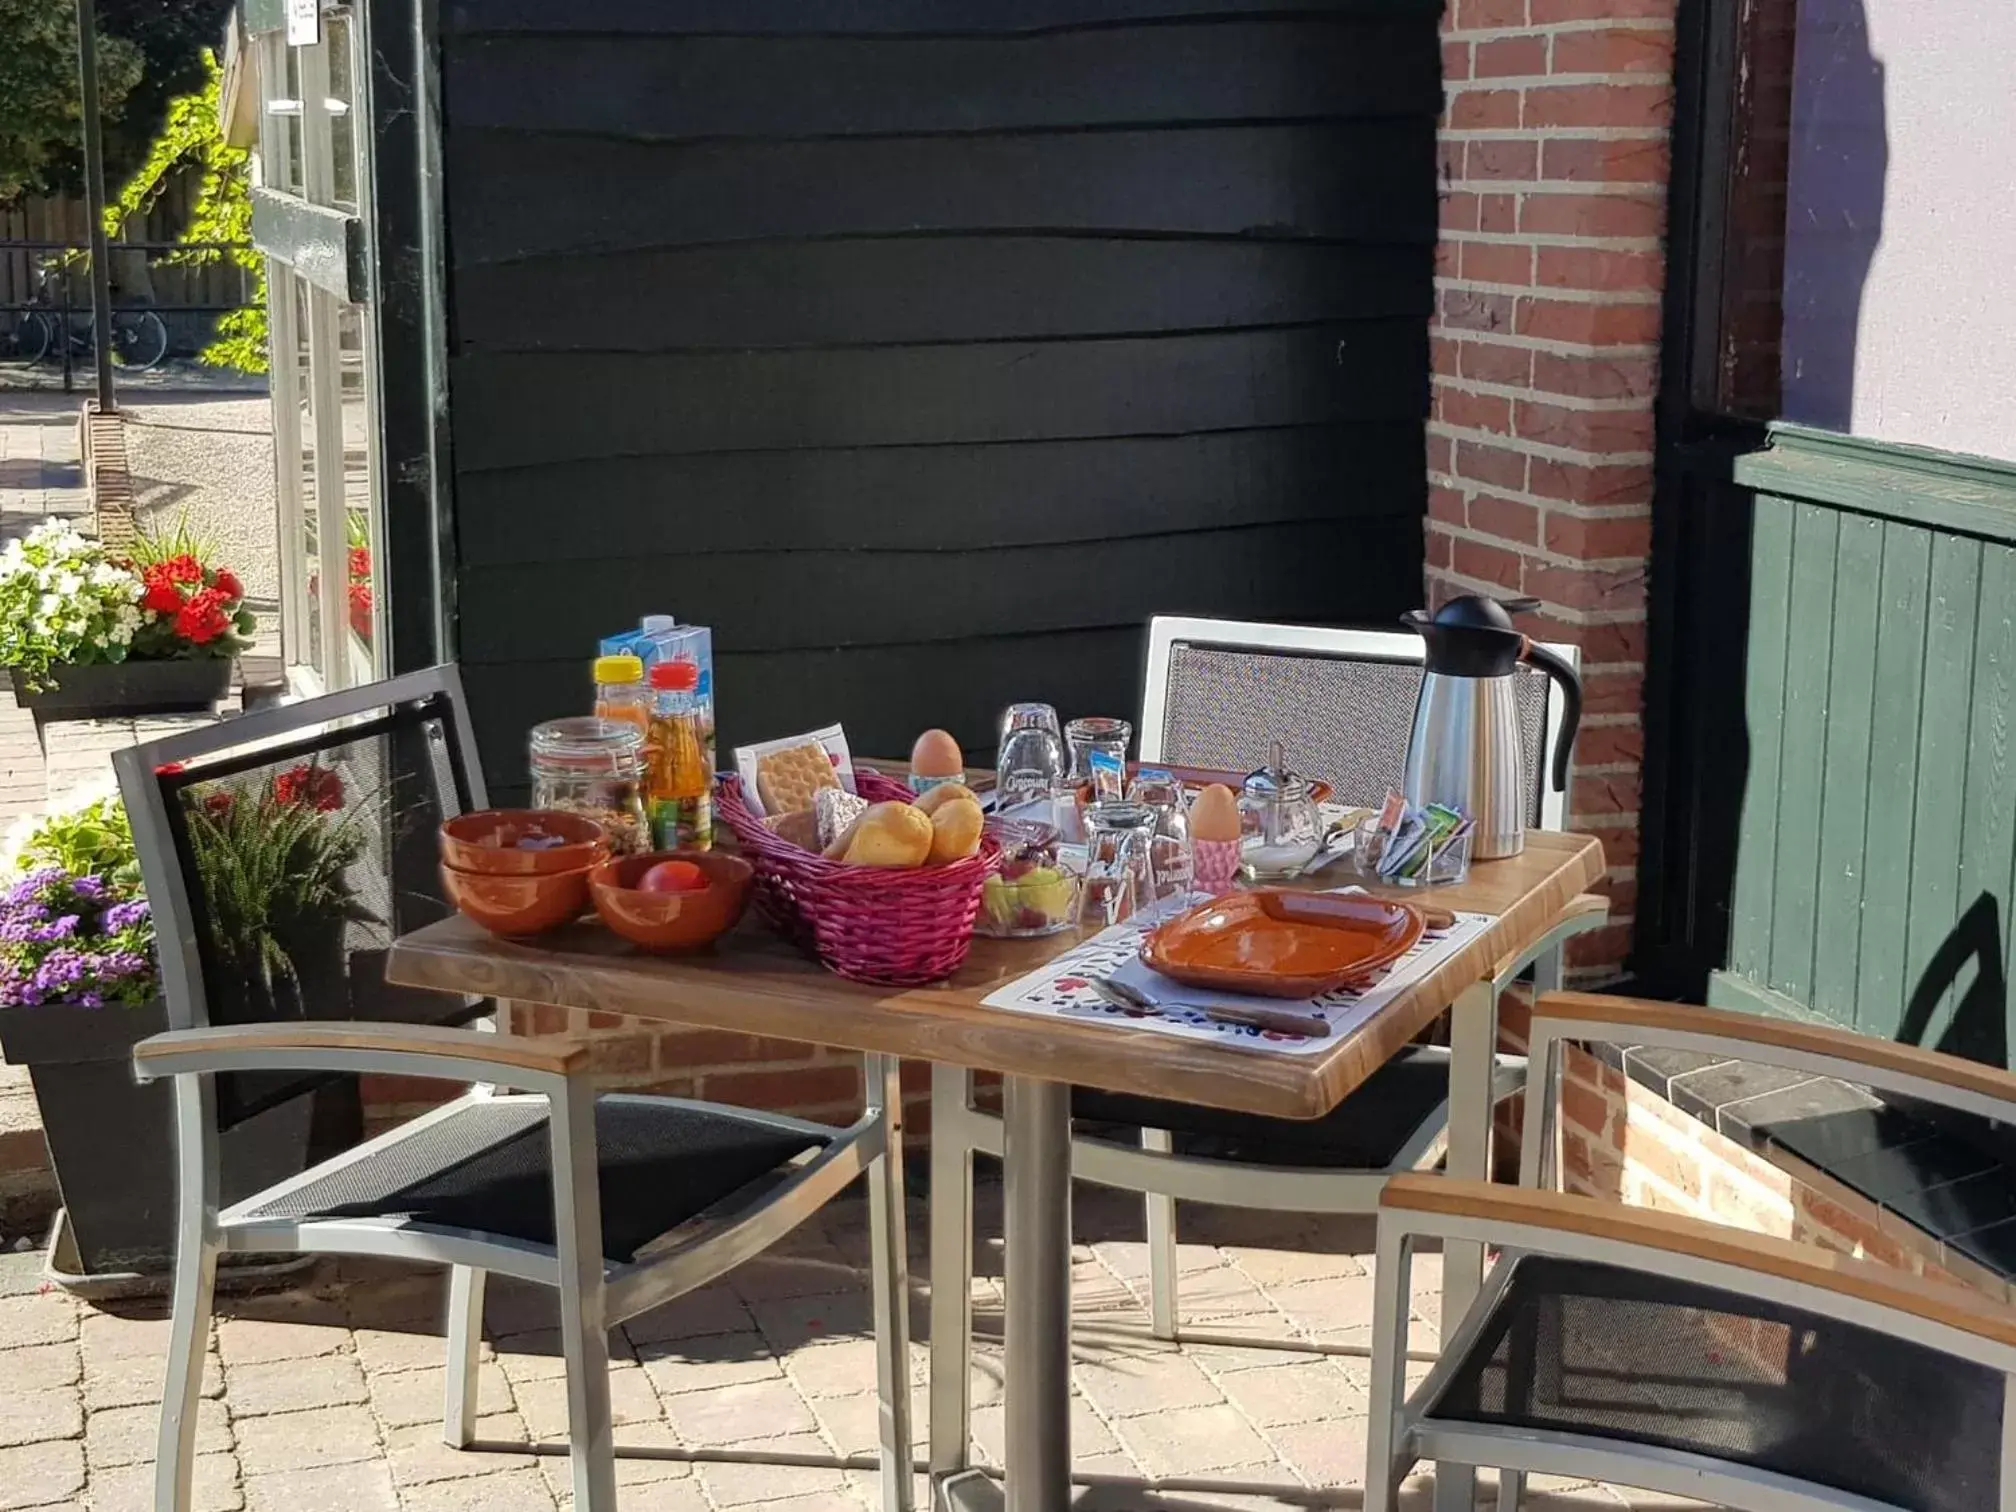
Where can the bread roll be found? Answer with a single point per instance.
(890, 834)
(955, 830)
(945, 792)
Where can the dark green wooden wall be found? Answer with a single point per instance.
(927, 349)
(1875, 861)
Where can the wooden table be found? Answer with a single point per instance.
(755, 984)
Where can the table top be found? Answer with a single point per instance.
(755, 983)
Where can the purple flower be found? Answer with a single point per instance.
(77, 940)
(123, 963)
(124, 915)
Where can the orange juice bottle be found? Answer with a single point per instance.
(680, 792)
(619, 691)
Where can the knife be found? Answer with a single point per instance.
(1278, 1020)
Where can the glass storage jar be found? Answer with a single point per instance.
(595, 768)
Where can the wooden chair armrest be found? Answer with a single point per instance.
(1632, 1015)
(283, 1045)
(1584, 909)
(1671, 1233)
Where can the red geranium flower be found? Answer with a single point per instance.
(184, 568)
(227, 583)
(161, 598)
(218, 804)
(318, 787)
(360, 562)
(202, 619)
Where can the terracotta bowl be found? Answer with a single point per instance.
(671, 921)
(493, 842)
(516, 906)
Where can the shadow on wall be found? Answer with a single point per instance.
(1835, 175)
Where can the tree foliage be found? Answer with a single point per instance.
(149, 51)
(173, 36)
(221, 212)
(41, 113)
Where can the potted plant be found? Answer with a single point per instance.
(87, 634)
(272, 860)
(79, 987)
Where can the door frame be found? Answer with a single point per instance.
(379, 256)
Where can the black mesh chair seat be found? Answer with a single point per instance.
(1367, 1131)
(1595, 1350)
(488, 1167)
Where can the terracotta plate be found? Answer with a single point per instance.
(1275, 943)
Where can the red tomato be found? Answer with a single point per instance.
(673, 877)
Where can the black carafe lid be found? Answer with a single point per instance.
(1472, 636)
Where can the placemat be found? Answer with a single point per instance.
(1063, 988)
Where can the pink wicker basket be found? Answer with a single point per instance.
(866, 923)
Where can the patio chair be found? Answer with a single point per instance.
(1645, 1349)
(1218, 693)
(1679, 1356)
(282, 851)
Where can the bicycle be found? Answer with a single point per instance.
(139, 337)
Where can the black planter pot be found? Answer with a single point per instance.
(112, 1140)
(112, 690)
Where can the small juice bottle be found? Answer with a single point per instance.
(681, 782)
(619, 691)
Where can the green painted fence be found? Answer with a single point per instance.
(1875, 869)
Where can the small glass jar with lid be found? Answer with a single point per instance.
(1280, 823)
(595, 768)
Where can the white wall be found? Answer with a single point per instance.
(1903, 181)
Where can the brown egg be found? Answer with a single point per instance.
(1214, 814)
(936, 754)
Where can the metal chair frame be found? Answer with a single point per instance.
(595, 1294)
(1402, 1432)
(959, 1130)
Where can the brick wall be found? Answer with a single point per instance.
(1549, 278)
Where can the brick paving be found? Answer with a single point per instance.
(328, 1396)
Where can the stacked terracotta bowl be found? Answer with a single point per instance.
(520, 871)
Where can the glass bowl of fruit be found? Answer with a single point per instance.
(1032, 894)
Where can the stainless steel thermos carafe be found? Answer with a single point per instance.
(1465, 750)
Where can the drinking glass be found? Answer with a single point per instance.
(1119, 865)
(1022, 716)
(1111, 736)
(1030, 770)
(1169, 848)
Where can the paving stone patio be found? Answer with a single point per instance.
(326, 1398)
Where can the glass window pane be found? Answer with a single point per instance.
(359, 501)
(342, 96)
(310, 618)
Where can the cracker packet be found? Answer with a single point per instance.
(783, 776)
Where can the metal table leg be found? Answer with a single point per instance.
(1037, 1157)
(1473, 1034)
